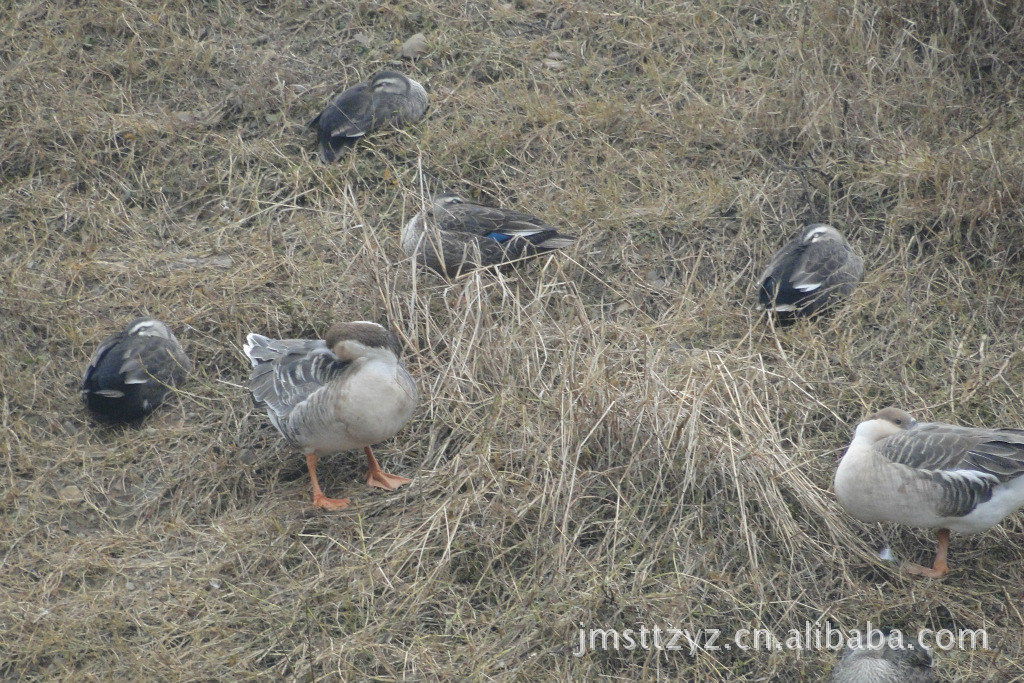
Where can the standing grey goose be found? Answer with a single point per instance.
(452, 236)
(131, 371)
(346, 392)
(884, 664)
(931, 475)
(809, 273)
(389, 98)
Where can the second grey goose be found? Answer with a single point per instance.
(931, 475)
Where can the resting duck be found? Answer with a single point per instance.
(389, 98)
(931, 475)
(884, 664)
(453, 236)
(810, 273)
(131, 371)
(346, 392)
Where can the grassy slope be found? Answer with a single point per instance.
(611, 437)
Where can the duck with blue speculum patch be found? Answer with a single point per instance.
(452, 236)
(131, 372)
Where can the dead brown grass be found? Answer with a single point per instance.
(610, 437)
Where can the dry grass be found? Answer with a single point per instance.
(609, 437)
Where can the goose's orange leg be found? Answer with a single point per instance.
(939, 568)
(375, 476)
(319, 499)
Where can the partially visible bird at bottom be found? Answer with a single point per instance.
(131, 372)
(809, 274)
(452, 236)
(884, 664)
(348, 391)
(388, 99)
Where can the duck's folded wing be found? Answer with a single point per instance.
(350, 115)
(483, 220)
(966, 463)
(157, 359)
(92, 379)
(452, 253)
(780, 264)
(820, 265)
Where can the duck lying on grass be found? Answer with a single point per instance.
(132, 371)
(389, 98)
(809, 274)
(452, 236)
(931, 475)
(346, 392)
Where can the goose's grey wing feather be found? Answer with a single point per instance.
(286, 372)
(967, 463)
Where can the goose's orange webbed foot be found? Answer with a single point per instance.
(375, 476)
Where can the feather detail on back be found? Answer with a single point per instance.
(130, 373)
(286, 372)
(453, 236)
(810, 273)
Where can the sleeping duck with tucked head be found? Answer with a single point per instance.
(452, 236)
(131, 372)
(810, 274)
(388, 99)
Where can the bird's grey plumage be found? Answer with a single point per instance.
(968, 463)
(810, 273)
(389, 98)
(286, 372)
(452, 236)
(131, 371)
(931, 475)
(948, 473)
(885, 664)
(347, 391)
